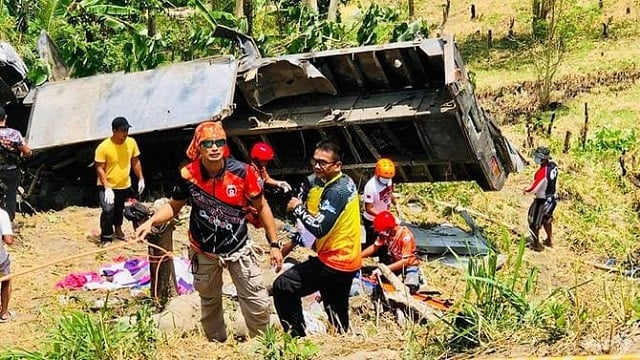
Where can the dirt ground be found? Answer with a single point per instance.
(52, 236)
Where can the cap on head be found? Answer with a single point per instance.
(384, 221)
(120, 123)
(542, 152)
(385, 168)
(262, 151)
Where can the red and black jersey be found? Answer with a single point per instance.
(544, 181)
(218, 204)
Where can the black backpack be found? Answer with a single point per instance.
(137, 213)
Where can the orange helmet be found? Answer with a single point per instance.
(384, 221)
(262, 151)
(385, 168)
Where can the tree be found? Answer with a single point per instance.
(311, 4)
(332, 14)
(555, 25)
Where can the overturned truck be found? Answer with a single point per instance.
(410, 101)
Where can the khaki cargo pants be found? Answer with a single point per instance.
(252, 295)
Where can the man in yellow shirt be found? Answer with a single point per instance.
(114, 158)
(332, 216)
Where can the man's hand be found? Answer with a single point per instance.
(284, 186)
(276, 258)
(293, 203)
(140, 186)
(109, 196)
(524, 191)
(143, 230)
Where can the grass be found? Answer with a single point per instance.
(83, 335)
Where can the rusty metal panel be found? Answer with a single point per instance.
(281, 78)
(342, 72)
(175, 96)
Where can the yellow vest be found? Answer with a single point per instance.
(340, 247)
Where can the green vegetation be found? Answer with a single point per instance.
(81, 335)
(276, 345)
(98, 36)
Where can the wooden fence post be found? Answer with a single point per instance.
(412, 9)
(473, 11)
(489, 39)
(512, 33)
(567, 141)
(585, 128)
(621, 160)
(162, 271)
(553, 117)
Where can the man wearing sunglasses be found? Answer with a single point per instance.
(332, 216)
(114, 158)
(220, 190)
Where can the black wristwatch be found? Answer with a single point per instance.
(275, 245)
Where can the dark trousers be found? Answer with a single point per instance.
(112, 214)
(10, 178)
(540, 213)
(304, 279)
(370, 234)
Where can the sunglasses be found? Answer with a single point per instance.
(321, 163)
(208, 144)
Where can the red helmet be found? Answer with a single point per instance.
(262, 151)
(384, 221)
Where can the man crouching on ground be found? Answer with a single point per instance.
(332, 215)
(219, 189)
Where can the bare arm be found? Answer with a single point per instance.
(368, 207)
(167, 212)
(400, 264)
(25, 150)
(102, 174)
(266, 216)
(8, 239)
(368, 252)
(288, 248)
(136, 164)
(272, 182)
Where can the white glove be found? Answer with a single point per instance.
(284, 186)
(140, 186)
(109, 196)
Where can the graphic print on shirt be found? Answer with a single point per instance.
(377, 194)
(217, 222)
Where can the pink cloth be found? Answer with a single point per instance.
(78, 280)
